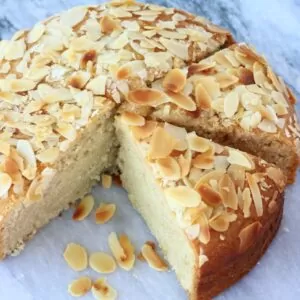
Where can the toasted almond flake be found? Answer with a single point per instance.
(108, 24)
(202, 260)
(76, 257)
(25, 150)
(228, 192)
(219, 223)
(133, 119)
(277, 176)
(267, 126)
(4, 148)
(102, 263)
(35, 190)
(147, 96)
(185, 165)
(199, 68)
(231, 104)
(97, 85)
(256, 195)
(105, 212)
(73, 16)
(142, 132)
(204, 236)
(209, 196)
(84, 208)
(176, 48)
(248, 235)
(10, 166)
(182, 101)
(210, 85)
(246, 76)
(49, 155)
(103, 291)
(279, 98)
(106, 181)
(183, 196)
(226, 80)
(79, 79)
(247, 200)
(80, 286)
(193, 231)
(36, 33)
(5, 183)
(239, 158)
(67, 131)
(17, 85)
(215, 175)
(88, 57)
(153, 258)
(161, 144)
(203, 98)
(130, 69)
(174, 81)
(169, 168)
(197, 143)
(204, 161)
(122, 250)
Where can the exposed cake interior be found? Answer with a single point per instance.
(75, 171)
(149, 200)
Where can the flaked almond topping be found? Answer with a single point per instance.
(231, 103)
(102, 263)
(246, 76)
(79, 79)
(79, 287)
(108, 24)
(203, 98)
(174, 81)
(226, 80)
(239, 158)
(204, 236)
(67, 131)
(153, 258)
(185, 165)
(277, 176)
(161, 144)
(247, 200)
(97, 85)
(105, 212)
(256, 195)
(248, 235)
(76, 257)
(5, 183)
(73, 16)
(169, 168)
(215, 175)
(193, 231)
(89, 56)
(84, 208)
(219, 223)
(182, 196)
(197, 143)
(17, 85)
(4, 146)
(49, 155)
(143, 132)
(133, 119)
(228, 192)
(209, 196)
(122, 250)
(147, 96)
(102, 290)
(36, 33)
(202, 260)
(267, 126)
(10, 166)
(182, 101)
(106, 181)
(200, 68)
(203, 161)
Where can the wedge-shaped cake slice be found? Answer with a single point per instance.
(56, 129)
(213, 209)
(234, 98)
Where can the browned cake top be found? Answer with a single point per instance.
(235, 84)
(212, 190)
(56, 77)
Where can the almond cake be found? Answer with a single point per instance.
(138, 88)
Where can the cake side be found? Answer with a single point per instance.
(227, 203)
(234, 98)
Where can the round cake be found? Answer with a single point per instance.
(202, 130)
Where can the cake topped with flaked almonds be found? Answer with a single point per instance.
(89, 90)
(234, 98)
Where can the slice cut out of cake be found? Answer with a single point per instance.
(60, 84)
(234, 98)
(213, 209)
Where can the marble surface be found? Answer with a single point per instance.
(273, 27)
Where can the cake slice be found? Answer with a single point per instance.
(234, 98)
(61, 83)
(214, 210)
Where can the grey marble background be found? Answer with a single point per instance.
(272, 26)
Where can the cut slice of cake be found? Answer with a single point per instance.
(213, 209)
(234, 98)
(60, 84)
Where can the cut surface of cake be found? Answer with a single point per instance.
(213, 209)
(234, 98)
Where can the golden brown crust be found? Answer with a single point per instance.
(216, 277)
